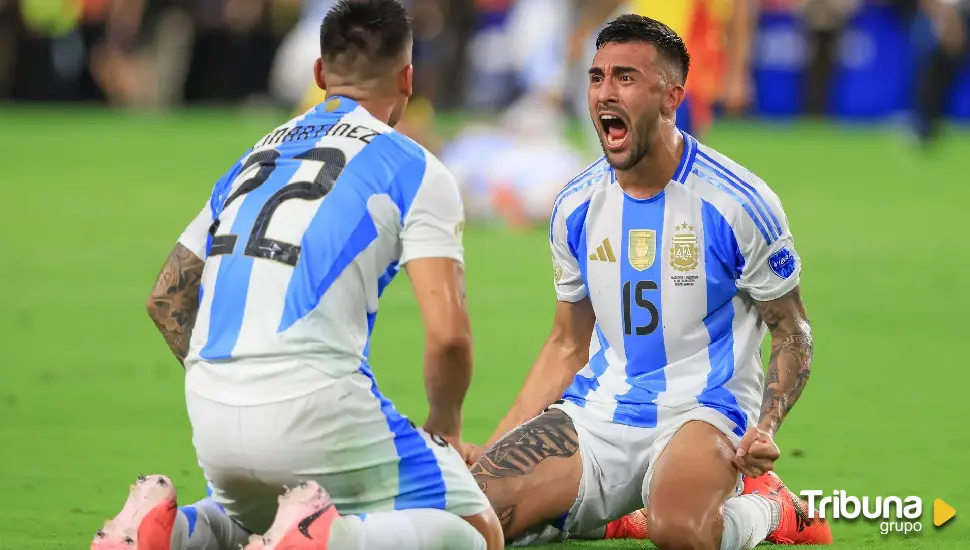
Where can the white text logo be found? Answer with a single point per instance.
(896, 514)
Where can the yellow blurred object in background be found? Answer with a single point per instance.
(314, 96)
(703, 26)
(677, 14)
(51, 17)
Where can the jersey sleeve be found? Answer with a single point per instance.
(435, 222)
(568, 278)
(771, 265)
(196, 235)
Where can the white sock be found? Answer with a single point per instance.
(423, 529)
(747, 521)
(205, 526)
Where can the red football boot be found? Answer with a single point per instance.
(795, 526)
(146, 520)
(630, 526)
(765, 484)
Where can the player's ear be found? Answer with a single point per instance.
(406, 80)
(672, 100)
(318, 74)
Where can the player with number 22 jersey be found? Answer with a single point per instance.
(302, 316)
(301, 238)
(277, 280)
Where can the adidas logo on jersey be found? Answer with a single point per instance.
(604, 253)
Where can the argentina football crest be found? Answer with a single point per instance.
(684, 255)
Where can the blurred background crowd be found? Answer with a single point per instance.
(521, 63)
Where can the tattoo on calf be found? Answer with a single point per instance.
(550, 435)
(174, 300)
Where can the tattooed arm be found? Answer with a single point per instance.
(174, 300)
(791, 357)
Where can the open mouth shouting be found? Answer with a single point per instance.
(615, 131)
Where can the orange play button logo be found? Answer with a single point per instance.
(942, 512)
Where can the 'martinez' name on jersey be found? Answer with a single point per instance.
(300, 239)
(672, 281)
(300, 132)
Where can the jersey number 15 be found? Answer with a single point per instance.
(637, 296)
(258, 245)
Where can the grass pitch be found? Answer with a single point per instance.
(93, 202)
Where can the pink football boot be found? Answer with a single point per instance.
(302, 522)
(145, 522)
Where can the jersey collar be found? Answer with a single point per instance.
(338, 105)
(686, 158)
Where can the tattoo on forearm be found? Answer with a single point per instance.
(174, 300)
(790, 364)
(549, 435)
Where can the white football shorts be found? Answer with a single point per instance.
(618, 462)
(346, 436)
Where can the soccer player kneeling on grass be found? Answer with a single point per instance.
(269, 299)
(671, 262)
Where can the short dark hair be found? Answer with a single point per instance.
(361, 33)
(637, 28)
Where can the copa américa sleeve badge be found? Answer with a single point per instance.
(783, 262)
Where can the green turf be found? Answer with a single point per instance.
(92, 203)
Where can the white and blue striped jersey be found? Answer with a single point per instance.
(300, 238)
(672, 280)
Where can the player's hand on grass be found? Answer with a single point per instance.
(756, 453)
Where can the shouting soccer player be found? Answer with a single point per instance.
(674, 261)
(270, 297)
(718, 34)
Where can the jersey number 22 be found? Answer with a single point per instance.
(258, 245)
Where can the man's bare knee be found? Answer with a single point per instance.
(682, 532)
(691, 480)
